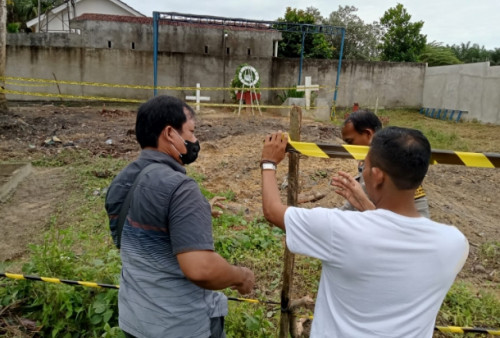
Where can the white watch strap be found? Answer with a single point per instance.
(268, 166)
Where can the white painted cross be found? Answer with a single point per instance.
(198, 97)
(308, 88)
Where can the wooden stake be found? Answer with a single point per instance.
(287, 323)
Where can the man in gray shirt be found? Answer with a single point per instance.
(169, 266)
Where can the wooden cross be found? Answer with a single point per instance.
(198, 97)
(308, 88)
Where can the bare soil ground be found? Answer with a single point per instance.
(231, 146)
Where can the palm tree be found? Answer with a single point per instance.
(19, 12)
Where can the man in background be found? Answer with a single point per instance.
(358, 129)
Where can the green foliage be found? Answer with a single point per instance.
(468, 53)
(315, 45)
(444, 134)
(291, 92)
(444, 140)
(13, 27)
(21, 11)
(257, 322)
(361, 40)
(81, 250)
(65, 157)
(253, 237)
(436, 55)
(402, 41)
(495, 57)
(490, 251)
(439, 137)
(463, 307)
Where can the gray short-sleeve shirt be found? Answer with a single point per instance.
(168, 215)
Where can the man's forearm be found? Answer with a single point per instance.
(209, 270)
(274, 210)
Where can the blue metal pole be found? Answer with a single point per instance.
(339, 66)
(301, 54)
(156, 17)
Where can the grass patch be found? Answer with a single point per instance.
(446, 135)
(463, 307)
(77, 246)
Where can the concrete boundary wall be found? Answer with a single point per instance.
(474, 88)
(394, 84)
(117, 52)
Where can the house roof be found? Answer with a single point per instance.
(131, 9)
(63, 6)
(149, 21)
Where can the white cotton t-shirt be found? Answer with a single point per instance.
(383, 274)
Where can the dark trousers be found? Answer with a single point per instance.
(216, 328)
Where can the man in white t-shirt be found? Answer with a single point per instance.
(385, 272)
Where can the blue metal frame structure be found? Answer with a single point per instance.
(274, 25)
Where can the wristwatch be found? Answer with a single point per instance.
(268, 166)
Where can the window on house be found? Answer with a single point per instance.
(227, 50)
(133, 45)
(109, 44)
(206, 49)
(248, 51)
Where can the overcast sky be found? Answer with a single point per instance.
(447, 21)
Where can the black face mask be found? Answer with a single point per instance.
(192, 150)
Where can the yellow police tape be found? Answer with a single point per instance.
(110, 85)
(108, 286)
(72, 97)
(451, 329)
(24, 84)
(481, 160)
(115, 99)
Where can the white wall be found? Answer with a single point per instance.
(472, 87)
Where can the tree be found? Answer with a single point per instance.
(315, 45)
(437, 55)
(21, 11)
(361, 40)
(468, 53)
(3, 42)
(495, 57)
(402, 41)
(318, 18)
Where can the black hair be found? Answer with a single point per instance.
(364, 119)
(403, 154)
(157, 113)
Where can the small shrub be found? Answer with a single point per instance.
(291, 92)
(13, 27)
(463, 307)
